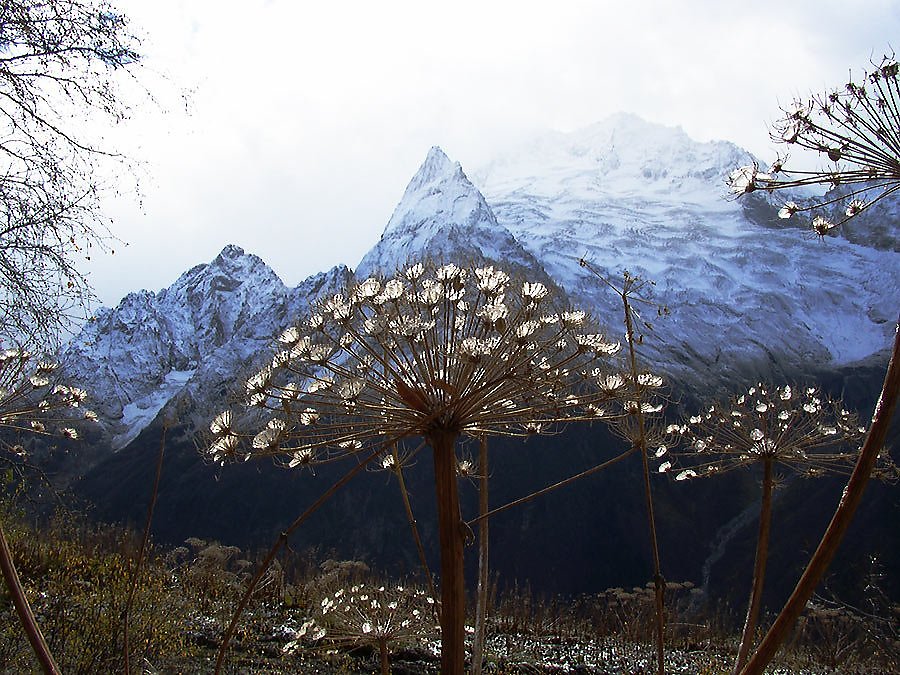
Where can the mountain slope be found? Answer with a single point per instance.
(193, 336)
(626, 194)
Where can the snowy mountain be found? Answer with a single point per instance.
(627, 194)
(746, 299)
(193, 337)
(443, 216)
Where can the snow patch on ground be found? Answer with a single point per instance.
(138, 414)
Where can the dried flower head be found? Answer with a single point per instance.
(434, 349)
(455, 351)
(370, 613)
(856, 129)
(796, 428)
(32, 399)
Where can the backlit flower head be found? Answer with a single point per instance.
(855, 132)
(747, 179)
(436, 348)
(370, 612)
(33, 400)
(800, 429)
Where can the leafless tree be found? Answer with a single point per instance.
(61, 68)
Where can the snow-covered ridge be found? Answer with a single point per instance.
(442, 215)
(626, 194)
(746, 299)
(188, 339)
(622, 157)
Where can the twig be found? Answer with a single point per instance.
(483, 569)
(23, 609)
(144, 542)
(759, 566)
(398, 469)
(658, 580)
(551, 488)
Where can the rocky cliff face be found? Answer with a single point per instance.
(193, 338)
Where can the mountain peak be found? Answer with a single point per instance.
(619, 157)
(231, 251)
(436, 169)
(441, 195)
(440, 205)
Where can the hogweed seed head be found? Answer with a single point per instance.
(855, 129)
(32, 400)
(799, 429)
(436, 349)
(370, 613)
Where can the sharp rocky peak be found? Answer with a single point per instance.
(439, 195)
(441, 214)
(197, 333)
(436, 167)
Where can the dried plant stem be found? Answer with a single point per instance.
(141, 553)
(23, 609)
(483, 569)
(414, 528)
(843, 515)
(759, 565)
(550, 488)
(277, 546)
(450, 529)
(659, 582)
(630, 286)
(385, 656)
(641, 443)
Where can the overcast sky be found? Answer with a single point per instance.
(307, 119)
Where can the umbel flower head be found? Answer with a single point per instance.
(32, 400)
(793, 427)
(856, 128)
(370, 613)
(436, 349)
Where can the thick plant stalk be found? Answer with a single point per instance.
(126, 646)
(759, 566)
(23, 609)
(384, 657)
(450, 529)
(483, 569)
(641, 443)
(276, 547)
(843, 515)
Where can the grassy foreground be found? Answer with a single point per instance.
(317, 615)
